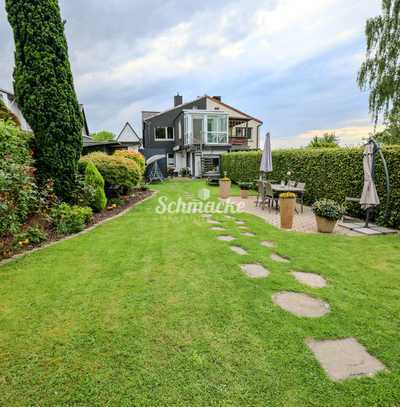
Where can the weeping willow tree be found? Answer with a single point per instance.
(380, 73)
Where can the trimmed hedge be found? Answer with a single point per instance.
(135, 156)
(334, 173)
(120, 174)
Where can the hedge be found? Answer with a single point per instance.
(334, 173)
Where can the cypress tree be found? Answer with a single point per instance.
(44, 90)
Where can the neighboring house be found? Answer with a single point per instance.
(129, 138)
(193, 135)
(89, 145)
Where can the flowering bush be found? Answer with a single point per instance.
(68, 219)
(287, 195)
(329, 209)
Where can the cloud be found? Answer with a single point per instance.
(348, 136)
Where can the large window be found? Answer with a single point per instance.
(170, 159)
(217, 130)
(164, 133)
(244, 132)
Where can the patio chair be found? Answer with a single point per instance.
(283, 182)
(270, 196)
(260, 193)
(291, 183)
(300, 195)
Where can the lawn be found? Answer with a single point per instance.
(152, 310)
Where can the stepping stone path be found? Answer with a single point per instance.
(344, 358)
(228, 217)
(268, 243)
(255, 270)
(310, 279)
(213, 222)
(226, 238)
(217, 229)
(300, 304)
(240, 222)
(243, 227)
(238, 250)
(249, 234)
(206, 215)
(279, 259)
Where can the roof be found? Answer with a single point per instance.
(215, 100)
(128, 135)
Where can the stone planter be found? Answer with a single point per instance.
(287, 207)
(325, 225)
(244, 193)
(224, 188)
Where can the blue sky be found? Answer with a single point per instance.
(291, 63)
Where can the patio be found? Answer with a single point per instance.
(303, 222)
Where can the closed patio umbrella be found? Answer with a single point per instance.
(266, 159)
(369, 196)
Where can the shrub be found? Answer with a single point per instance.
(44, 90)
(245, 185)
(17, 184)
(68, 219)
(120, 174)
(94, 179)
(333, 173)
(132, 155)
(327, 208)
(33, 235)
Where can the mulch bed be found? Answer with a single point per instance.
(53, 236)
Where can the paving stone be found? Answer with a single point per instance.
(301, 305)
(249, 234)
(217, 229)
(344, 358)
(310, 279)
(206, 215)
(268, 243)
(228, 217)
(279, 259)
(240, 222)
(238, 250)
(255, 270)
(243, 227)
(226, 238)
(213, 222)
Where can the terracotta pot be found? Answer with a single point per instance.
(287, 207)
(244, 193)
(325, 225)
(224, 189)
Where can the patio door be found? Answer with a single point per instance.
(198, 130)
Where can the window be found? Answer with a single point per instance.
(164, 133)
(244, 132)
(217, 130)
(170, 160)
(180, 130)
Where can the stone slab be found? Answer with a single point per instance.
(238, 250)
(309, 279)
(240, 222)
(248, 234)
(268, 243)
(301, 305)
(344, 358)
(217, 229)
(278, 258)
(213, 222)
(255, 270)
(226, 238)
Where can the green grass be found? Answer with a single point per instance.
(151, 310)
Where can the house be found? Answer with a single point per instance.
(89, 145)
(129, 138)
(194, 135)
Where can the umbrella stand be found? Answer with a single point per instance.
(377, 149)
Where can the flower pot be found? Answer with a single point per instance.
(224, 188)
(244, 193)
(325, 225)
(287, 207)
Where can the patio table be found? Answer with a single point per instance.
(285, 188)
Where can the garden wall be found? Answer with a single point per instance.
(328, 173)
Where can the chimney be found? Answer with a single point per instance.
(217, 98)
(178, 100)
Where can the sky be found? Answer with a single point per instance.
(293, 64)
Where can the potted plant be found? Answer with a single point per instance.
(224, 187)
(287, 205)
(327, 213)
(244, 189)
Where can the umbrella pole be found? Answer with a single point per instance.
(369, 210)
